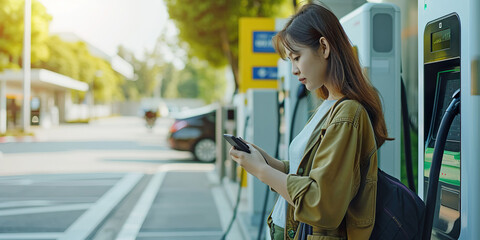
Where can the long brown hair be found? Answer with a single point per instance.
(305, 28)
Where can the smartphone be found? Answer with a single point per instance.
(237, 143)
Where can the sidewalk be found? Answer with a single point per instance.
(225, 194)
(182, 199)
(189, 202)
(225, 199)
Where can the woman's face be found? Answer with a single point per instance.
(309, 66)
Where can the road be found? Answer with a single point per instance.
(106, 145)
(109, 179)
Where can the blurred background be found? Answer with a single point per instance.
(109, 128)
(128, 50)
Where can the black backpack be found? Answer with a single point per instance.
(400, 213)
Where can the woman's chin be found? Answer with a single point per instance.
(309, 88)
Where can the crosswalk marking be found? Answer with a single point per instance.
(88, 222)
(136, 218)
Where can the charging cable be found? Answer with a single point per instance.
(301, 93)
(239, 192)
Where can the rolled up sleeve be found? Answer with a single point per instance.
(322, 198)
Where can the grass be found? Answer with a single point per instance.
(87, 120)
(79, 121)
(16, 133)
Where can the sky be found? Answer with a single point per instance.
(106, 24)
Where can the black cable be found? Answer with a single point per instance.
(406, 137)
(239, 192)
(301, 93)
(267, 190)
(236, 206)
(431, 200)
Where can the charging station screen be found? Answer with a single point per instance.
(441, 40)
(449, 82)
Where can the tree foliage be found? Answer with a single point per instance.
(157, 77)
(210, 27)
(196, 80)
(73, 59)
(12, 28)
(147, 75)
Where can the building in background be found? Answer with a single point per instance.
(51, 101)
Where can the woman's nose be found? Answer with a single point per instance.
(295, 70)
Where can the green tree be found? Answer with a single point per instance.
(213, 83)
(196, 80)
(157, 77)
(209, 82)
(169, 83)
(73, 59)
(130, 89)
(147, 74)
(188, 82)
(210, 27)
(11, 33)
(62, 58)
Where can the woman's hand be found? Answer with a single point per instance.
(265, 155)
(271, 161)
(253, 162)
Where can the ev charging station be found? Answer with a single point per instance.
(449, 59)
(256, 104)
(296, 108)
(374, 29)
(262, 128)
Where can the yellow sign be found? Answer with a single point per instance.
(257, 60)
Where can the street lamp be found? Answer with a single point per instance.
(26, 65)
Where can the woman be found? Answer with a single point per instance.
(330, 179)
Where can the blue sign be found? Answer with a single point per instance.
(262, 42)
(262, 73)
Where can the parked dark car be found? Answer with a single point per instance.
(195, 132)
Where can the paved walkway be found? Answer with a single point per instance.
(136, 187)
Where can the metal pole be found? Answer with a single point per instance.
(3, 105)
(26, 65)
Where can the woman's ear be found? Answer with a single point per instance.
(324, 49)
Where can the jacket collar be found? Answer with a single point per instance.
(321, 127)
(317, 132)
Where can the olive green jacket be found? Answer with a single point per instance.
(335, 187)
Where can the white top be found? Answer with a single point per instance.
(295, 155)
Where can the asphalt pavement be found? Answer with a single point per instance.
(110, 179)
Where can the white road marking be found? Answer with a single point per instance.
(36, 236)
(88, 222)
(135, 220)
(36, 210)
(27, 203)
